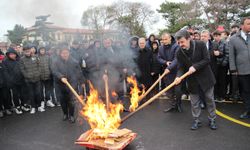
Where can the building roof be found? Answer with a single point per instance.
(69, 30)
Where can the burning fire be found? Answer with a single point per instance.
(135, 93)
(97, 115)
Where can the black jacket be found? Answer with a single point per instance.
(144, 62)
(69, 69)
(213, 59)
(156, 66)
(13, 71)
(167, 53)
(44, 64)
(223, 58)
(30, 68)
(198, 57)
(76, 54)
(2, 75)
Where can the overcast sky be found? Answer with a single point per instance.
(63, 12)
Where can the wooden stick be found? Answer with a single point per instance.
(84, 91)
(155, 97)
(124, 87)
(160, 83)
(106, 89)
(150, 89)
(74, 92)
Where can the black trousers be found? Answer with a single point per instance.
(174, 93)
(220, 89)
(66, 99)
(156, 88)
(234, 86)
(4, 100)
(34, 92)
(19, 95)
(244, 82)
(47, 89)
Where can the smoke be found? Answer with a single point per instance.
(115, 63)
(63, 13)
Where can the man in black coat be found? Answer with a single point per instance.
(4, 101)
(166, 57)
(144, 62)
(15, 80)
(222, 59)
(194, 58)
(75, 51)
(213, 50)
(65, 68)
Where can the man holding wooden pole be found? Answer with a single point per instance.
(193, 57)
(67, 71)
(166, 57)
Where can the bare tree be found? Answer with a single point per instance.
(132, 17)
(223, 12)
(97, 18)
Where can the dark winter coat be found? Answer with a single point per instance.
(144, 62)
(213, 59)
(92, 59)
(14, 74)
(76, 54)
(167, 53)
(156, 66)
(111, 58)
(3, 76)
(44, 63)
(223, 58)
(30, 68)
(69, 69)
(198, 57)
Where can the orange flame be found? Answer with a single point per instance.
(98, 116)
(135, 93)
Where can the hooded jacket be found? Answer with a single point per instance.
(13, 71)
(30, 68)
(44, 64)
(2, 75)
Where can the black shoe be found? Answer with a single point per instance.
(179, 108)
(212, 125)
(65, 117)
(71, 119)
(168, 109)
(245, 115)
(196, 125)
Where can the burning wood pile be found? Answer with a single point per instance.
(104, 118)
(96, 139)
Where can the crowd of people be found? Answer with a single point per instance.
(33, 77)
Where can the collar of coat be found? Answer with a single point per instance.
(143, 50)
(238, 34)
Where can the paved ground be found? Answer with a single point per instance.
(156, 131)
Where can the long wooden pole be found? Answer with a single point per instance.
(84, 91)
(155, 97)
(105, 78)
(74, 92)
(150, 89)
